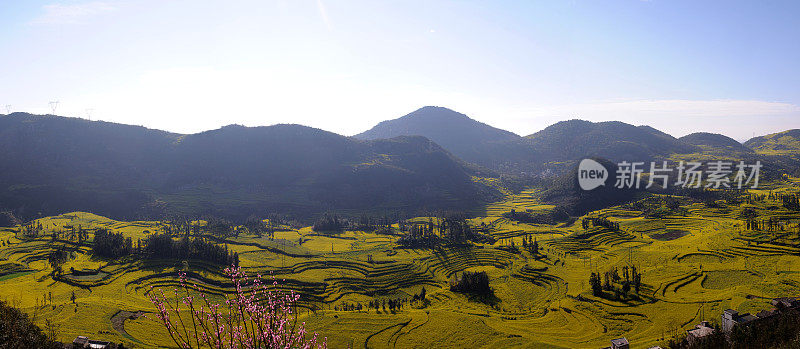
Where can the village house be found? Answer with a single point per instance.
(699, 332)
(732, 318)
(86, 343)
(620, 343)
(786, 303)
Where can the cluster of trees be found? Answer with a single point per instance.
(32, 230)
(753, 198)
(529, 243)
(268, 226)
(476, 283)
(213, 226)
(586, 223)
(508, 245)
(76, 234)
(419, 234)
(333, 223)
(609, 281)
(420, 297)
(449, 228)
(330, 223)
(369, 223)
(393, 304)
(349, 306)
(111, 245)
(658, 206)
(709, 197)
(558, 214)
(791, 202)
(198, 248)
(771, 224)
(56, 258)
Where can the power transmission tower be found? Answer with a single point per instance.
(89, 114)
(8, 108)
(53, 106)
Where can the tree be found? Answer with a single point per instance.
(594, 281)
(57, 258)
(255, 316)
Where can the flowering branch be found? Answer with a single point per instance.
(254, 317)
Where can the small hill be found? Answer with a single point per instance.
(715, 142)
(564, 191)
(466, 138)
(51, 165)
(781, 143)
(576, 139)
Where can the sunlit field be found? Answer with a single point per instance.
(695, 260)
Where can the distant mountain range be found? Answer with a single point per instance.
(565, 141)
(51, 164)
(431, 159)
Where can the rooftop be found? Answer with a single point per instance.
(619, 341)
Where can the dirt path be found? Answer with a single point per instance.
(118, 321)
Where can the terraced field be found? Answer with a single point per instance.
(693, 265)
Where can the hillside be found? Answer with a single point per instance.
(613, 140)
(564, 191)
(781, 143)
(466, 138)
(714, 142)
(53, 164)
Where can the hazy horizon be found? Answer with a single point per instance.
(190, 66)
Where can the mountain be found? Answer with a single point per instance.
(714, 142)
(466, 138)
(51, 165)
(613, 140)
(781, 143)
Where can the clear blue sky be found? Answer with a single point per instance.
(681, 66)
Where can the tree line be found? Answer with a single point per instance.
(330, 222)
(112, 245)
(611, 285)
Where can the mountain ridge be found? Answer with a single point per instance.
(53, 164)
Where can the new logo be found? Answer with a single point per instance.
(591, 174)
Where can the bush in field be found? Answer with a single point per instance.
(256, 316)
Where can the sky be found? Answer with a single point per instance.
(727, 67)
